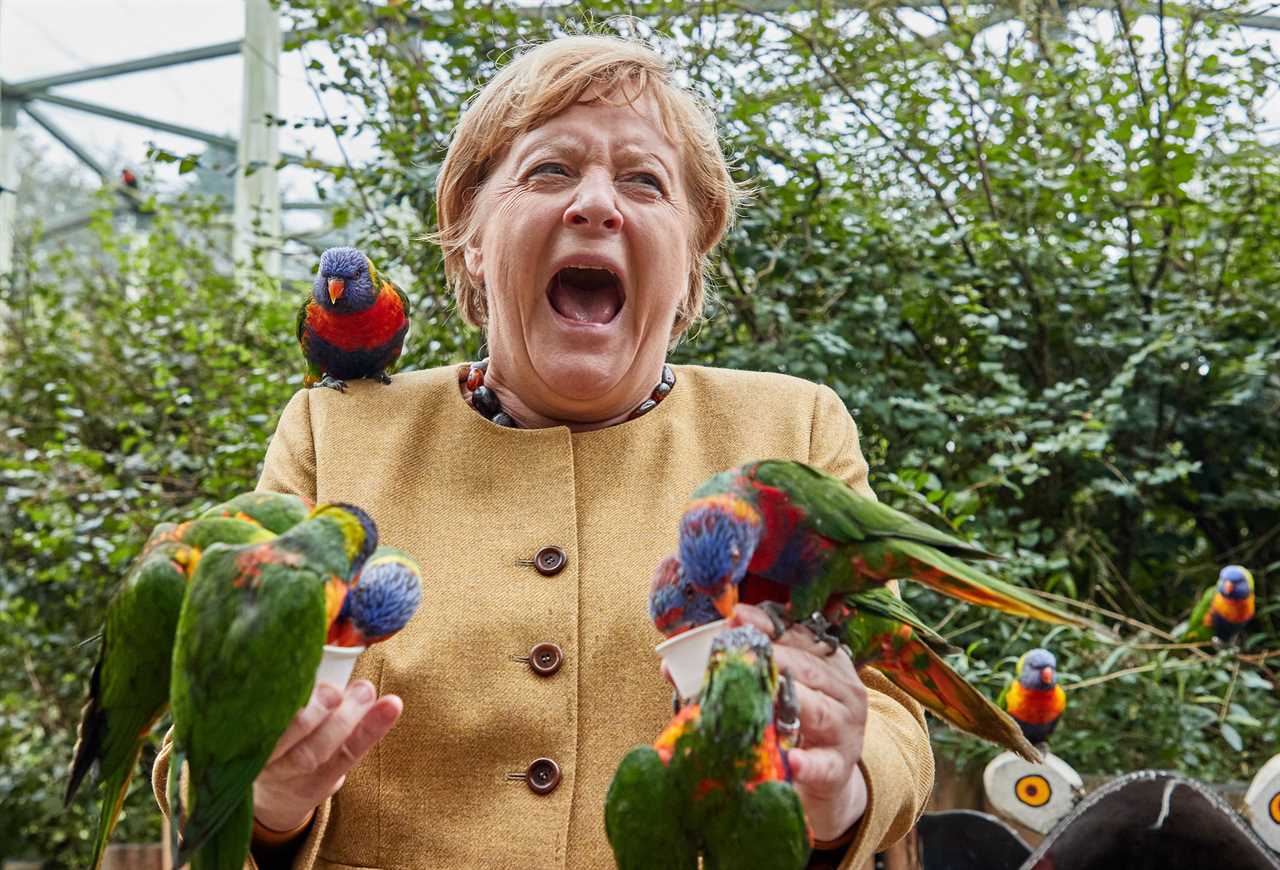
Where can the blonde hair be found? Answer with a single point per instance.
(548, 79)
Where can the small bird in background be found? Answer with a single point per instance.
(1225, 608)
(352, 323)
(1033, 697)
(129, 179)
(715, 783)
(381, 600)
(808, 531)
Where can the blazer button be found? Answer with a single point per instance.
(543, 775)
(550, 561)
(545, 659)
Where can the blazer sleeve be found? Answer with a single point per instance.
(897, 762)
(290, 466)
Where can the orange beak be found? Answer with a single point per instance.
(1228, 586)
(1046, 675)
(335, 592)
(727, 600)
(337, 287)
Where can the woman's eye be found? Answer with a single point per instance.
(549, 168)
(648, 178)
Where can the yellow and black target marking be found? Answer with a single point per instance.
(1274, 808)
(1034, 790)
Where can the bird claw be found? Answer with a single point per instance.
(383, 378)
(777, 613)
(821, 628)
(332, 383)
(675, 701)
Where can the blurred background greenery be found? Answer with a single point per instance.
(1035, 250)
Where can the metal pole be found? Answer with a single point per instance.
(8, 181)
(257, 198)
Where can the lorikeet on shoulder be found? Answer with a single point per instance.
(715, 783)
(250, 637)
(353, 322)
(1033, 697)
(1225, 608)
(807, 530)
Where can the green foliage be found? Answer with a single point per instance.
(1038, 261)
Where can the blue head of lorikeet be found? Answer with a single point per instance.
(345, 281)
(1039, 670)
(675, 604)
(384, 598)
(718, 536)
(1235, 583)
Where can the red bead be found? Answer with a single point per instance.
(475, 378)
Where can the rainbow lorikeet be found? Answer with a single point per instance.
(716, 782)
(129, 685)
(1225, 608)
(381, 599)
(1033, 697)
(352, 323)
(878, 629)
(808, 531)
(275, 511)
(250, 637)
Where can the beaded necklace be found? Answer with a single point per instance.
(486, 403)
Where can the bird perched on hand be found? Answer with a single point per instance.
(275, 511)
(249, 640)
(878, 629)
(1225, 608)
(129, 686)
(381, 600)
(809, 532)
(353, 323)
(1033, 697)
(715, 783)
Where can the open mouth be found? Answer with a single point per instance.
(586, 294)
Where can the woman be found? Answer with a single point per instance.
(578, 204)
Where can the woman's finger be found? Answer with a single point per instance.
(834, 675)
(826, 722)
(375, 724)
(823, 772)
(324, 699)
(313, 752)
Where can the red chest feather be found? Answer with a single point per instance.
(1036, 707)
(359, 330)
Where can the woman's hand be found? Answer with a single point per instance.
(324, 741)
(833, 718)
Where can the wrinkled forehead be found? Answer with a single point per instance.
(635, 125)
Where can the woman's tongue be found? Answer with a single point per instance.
(584, 304)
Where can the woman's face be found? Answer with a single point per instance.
(583, 249)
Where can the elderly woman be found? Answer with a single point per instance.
(579, 201)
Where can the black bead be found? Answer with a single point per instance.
(645, 407)
(661, 390)
(485, 402)
(502, 419)
(668, 376)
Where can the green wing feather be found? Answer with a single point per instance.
(881, 602)
(642, 816)
(844, 516)
(767, 829)
(275, 511)
(249, 640)
(1196, 629)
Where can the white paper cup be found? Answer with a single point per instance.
(686, 657)
(336, 665)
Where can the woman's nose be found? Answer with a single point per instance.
(594, 205)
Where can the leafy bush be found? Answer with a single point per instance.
(1038, 262)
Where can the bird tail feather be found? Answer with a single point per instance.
(954, 578)
(115, 789)
(228, 846)
(920, 672)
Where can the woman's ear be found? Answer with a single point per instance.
(473, 257)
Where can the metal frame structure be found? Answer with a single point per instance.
(257, 206)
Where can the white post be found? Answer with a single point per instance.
(8, 181)
(257, 203)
